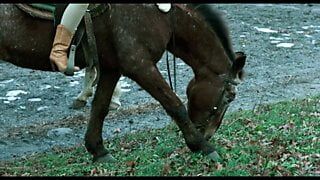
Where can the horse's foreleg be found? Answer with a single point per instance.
(87, 91)
(99, 110)
(150, 79)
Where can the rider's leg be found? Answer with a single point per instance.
(65, 30)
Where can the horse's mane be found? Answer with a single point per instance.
(214, 18)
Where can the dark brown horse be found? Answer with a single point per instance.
(131, 39)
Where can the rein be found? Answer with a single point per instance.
(168, 70)
(172, 19)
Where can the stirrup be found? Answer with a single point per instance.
(70, 65)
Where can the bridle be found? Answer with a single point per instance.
(223, 102)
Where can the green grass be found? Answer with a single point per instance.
(273, 140)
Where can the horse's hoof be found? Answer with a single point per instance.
(107, 158)
(78, 104)
(214, 156)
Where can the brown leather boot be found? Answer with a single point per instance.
(60, 46)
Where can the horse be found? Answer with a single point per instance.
(131, 39)
(16, 50)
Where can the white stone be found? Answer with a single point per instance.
(274, 42)
(15, 93)
(266, 30)
(58, 132)
(42, 108)
(34, 99)
(73, 83)
(286, 45)
(276, 38)
(6, 81)
(12, 98)
(45, 87)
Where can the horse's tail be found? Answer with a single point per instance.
(218, 24)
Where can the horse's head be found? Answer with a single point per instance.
(209, 98)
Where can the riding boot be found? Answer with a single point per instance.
(61, 43)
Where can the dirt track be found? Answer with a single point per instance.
(274, 73)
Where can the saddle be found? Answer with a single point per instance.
(42, 11)
(83, 35)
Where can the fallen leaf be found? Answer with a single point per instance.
(218, 166)
(287, 126)
(93, 172)
(131, 164)
(166, 169)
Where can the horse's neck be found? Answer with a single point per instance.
(198, 46)
(217, 23)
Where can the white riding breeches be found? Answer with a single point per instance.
(72, 16)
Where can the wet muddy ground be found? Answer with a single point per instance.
(282, 43)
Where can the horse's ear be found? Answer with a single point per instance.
(239, 62)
